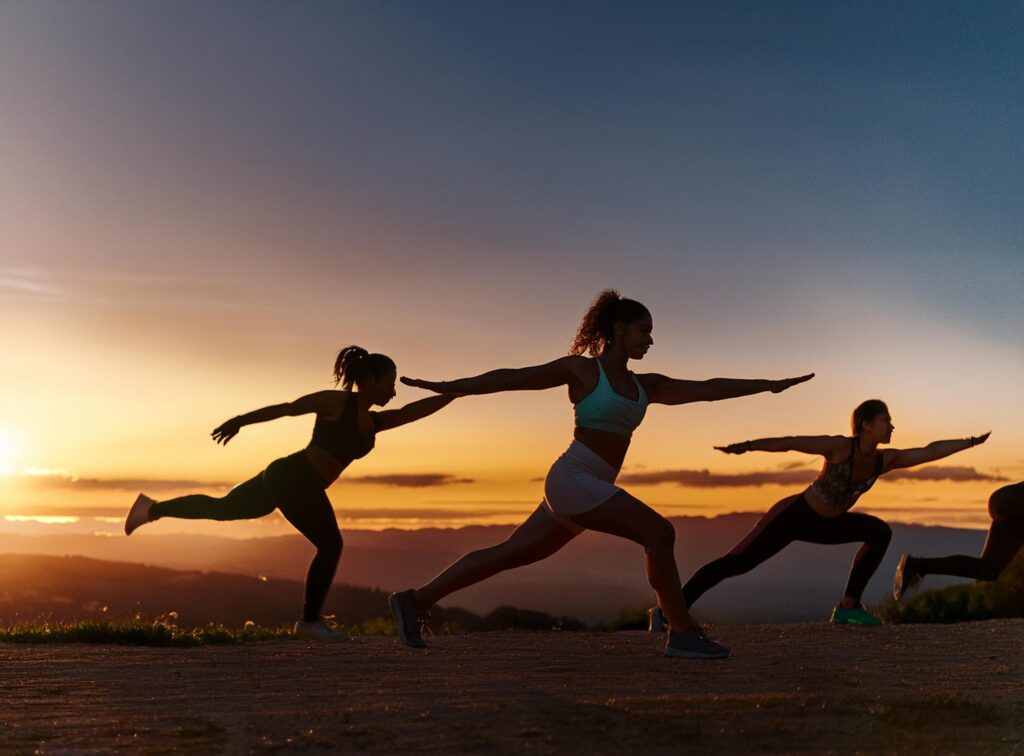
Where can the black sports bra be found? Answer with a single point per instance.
(341, 438)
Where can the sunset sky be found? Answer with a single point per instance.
(201, 203)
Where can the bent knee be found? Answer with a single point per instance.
(661, 535)
(331, 546)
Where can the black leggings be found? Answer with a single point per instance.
(794, 520)
(1005, 537)
(293, 486)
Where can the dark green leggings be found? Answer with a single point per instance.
(293, 486)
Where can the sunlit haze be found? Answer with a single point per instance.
(201, 203)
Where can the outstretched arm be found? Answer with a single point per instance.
(326, 402)
(896, 458)
(826, 446)
(664, 390)
(413, 411)
(556, 373)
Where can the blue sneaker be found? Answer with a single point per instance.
(693, 644)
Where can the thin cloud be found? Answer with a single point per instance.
(420, 514)
(67, 482)
(796, 466)
(952, 474)
(708, 479)
(25, 285)
(413, 480)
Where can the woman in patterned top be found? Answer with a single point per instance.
(820, 514)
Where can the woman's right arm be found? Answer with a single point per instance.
(826, 446)
(556, 373)
(322, 402)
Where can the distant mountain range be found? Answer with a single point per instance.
(592, 579)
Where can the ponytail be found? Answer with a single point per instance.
(597, 329)
(354, 364)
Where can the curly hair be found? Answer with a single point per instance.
(597, 328)
(354, 364)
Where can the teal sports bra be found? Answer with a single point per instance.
(603, 409)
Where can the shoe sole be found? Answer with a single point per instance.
(393, 606)
(900, 587)
(139, 502)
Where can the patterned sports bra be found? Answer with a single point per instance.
(835, 484)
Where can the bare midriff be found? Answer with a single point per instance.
(611, 447)
(326, 466)
(818, 505)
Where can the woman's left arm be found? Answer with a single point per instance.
(412, 412)
(897, 458)
(664, 390)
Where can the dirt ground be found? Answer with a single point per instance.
(793, 688)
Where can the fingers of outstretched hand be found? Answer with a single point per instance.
(982, 438)
(789, 382)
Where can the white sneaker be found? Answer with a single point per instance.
(318, 630)
(138, 514)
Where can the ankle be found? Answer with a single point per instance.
(419, 602)
(849, 603)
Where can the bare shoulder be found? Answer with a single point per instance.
(328, 404)
(838, 448)
(578, 365)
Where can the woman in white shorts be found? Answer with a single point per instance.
(580, 491)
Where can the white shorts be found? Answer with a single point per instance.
(578, 482)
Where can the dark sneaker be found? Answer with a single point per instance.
(138, 514)
(656, 622)
(906, 579)
(858, 615)
(693, 644)
(407, 618)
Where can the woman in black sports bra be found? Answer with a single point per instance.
(344, 431)
(820, 514)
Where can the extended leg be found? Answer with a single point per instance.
(772, 533)
(1002, 544)
(245, 501)
(537, 538)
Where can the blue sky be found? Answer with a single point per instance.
(234, 190)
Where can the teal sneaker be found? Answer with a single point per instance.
(858, 615)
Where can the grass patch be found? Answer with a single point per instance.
(137, 632)
(164, 631)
